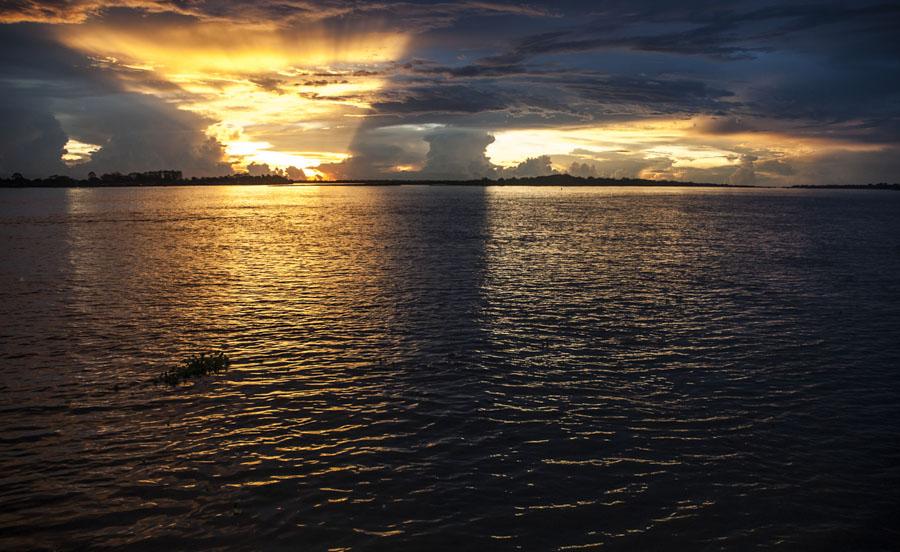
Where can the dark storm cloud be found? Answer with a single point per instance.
(784, 68)
(733, 31)
(442, 99)
(860, 101)
(35, 72)
(458, 154)
(461, 154)
(432, 153)
(51, 94)
(140, 133)
(377, 151)
(849, 167)
(31, 139)
(822, 63)
(657, 95)
(546, 100)
(424, 14)
(828, 70)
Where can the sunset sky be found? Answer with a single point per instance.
(739, 92)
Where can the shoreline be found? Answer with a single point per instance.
(390, 183)
(381, 184)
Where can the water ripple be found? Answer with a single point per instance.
(442, 368)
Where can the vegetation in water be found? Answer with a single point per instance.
(195, 367)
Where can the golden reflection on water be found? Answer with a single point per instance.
(497, 365)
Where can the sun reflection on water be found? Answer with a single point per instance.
(411, 364)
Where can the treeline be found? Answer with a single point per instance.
(175, 178)
(569, 180)
(876, 186)
(547, 180)
(149, 178)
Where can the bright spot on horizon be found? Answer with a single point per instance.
(261, 152)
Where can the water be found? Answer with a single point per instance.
(441, 368)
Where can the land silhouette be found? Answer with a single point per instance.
(176, 178)
(149, 178)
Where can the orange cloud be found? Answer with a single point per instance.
(280, 93)
(31, 11)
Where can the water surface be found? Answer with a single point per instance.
(444, 368)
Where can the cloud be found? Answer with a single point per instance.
(855, 101)
(431, 153)
(53, 95)
(295, 174)
(615, 164)
(458, 154)
(570, 95)
(745, 175)
(35, 72)
(533, 166)
(774, 168)
(259, 169)
(737, 31)
(398, 85)
(140, 133)
(439, 99)
(723, 125)
(31, 140)
(848, 167)
(640, 95)
(382, 152)
(286, 13)
(184, 45)
(73, 11)
(816, 69)
(583, 170)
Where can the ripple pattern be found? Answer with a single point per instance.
(445, 368)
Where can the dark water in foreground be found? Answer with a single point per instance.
(424, 368)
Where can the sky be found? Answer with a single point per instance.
(764, 92)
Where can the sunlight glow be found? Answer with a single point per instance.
(253, 83)
(78, 152)
(674, 147)
(261, 152)
(513, 146)
(229, 48)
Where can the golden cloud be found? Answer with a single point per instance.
(253, 80)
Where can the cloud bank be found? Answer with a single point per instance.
(760, 92)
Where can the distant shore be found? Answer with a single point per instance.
(879, 186)
(175, 178)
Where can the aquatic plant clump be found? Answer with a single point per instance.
(195, 367)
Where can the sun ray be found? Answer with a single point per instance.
(252, 82)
